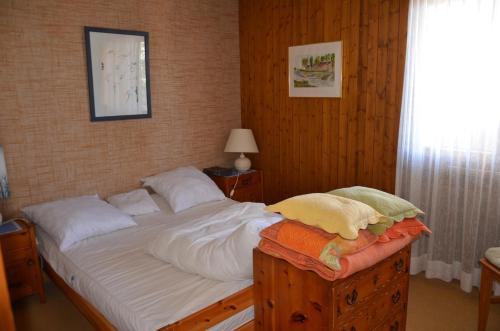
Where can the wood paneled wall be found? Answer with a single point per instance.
(317, 144)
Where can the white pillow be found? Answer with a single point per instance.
(189, 171)
(70, 220)
(136, 202)
(184, 187)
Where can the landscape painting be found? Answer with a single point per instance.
(315, 70)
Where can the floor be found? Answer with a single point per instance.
(433, 305)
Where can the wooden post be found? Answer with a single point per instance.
(6, 317)
(488, 274)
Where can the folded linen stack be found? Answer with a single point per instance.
(338, 233)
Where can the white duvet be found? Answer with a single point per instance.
(219, 247)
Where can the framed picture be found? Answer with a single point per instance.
(315, 70)
(118, 74)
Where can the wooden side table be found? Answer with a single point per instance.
(22, 264)
(249, 187)
(489, 274)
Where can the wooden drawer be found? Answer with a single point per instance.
(378, 309)
(248, 180)
(364, 286)
(21, 278)
(248, 187)
(396, 322)
(14, 257)
(17, 241)
(251, 194)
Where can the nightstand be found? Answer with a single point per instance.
(22, 264)
(248, 188)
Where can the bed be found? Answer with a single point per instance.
(94, 275)
(117, 283)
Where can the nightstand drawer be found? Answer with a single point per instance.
(249, 194)
(21, 278)
(17, 255)
(18, 241)
(248, 180)
(248, 186)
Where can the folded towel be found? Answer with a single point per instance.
(350, 263)
(331, 256)
(316, 243)
(410, 226)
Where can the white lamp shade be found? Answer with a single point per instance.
(241, 141)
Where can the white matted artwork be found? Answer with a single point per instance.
(118, 74)
(315, 70)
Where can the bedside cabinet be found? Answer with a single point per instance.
(22, 264)
(248, 189)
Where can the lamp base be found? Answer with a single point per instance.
(242, 163)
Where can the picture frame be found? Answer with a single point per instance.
(315, 70)
(118, 74)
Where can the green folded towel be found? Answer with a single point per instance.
(385, 203)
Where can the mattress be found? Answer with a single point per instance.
(131, 288)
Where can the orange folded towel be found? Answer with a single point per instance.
(315, 242)
(330, 255)
(409, 226)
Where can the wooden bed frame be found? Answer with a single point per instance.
(200, 320)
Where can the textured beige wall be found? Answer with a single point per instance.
(53, 150)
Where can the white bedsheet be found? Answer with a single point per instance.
(131, 288)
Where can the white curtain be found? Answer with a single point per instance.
(449, 143)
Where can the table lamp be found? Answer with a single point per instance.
(241, 141)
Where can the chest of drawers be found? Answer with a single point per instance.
(287, 298)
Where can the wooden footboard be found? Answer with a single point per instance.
(200, 320)
(214, 313)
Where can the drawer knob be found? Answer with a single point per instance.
(30, 262)
(395, 297)
(399, 265)
(245, 181)
(395, 326)
(351, 298)
(353, 328)
(299, 317)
